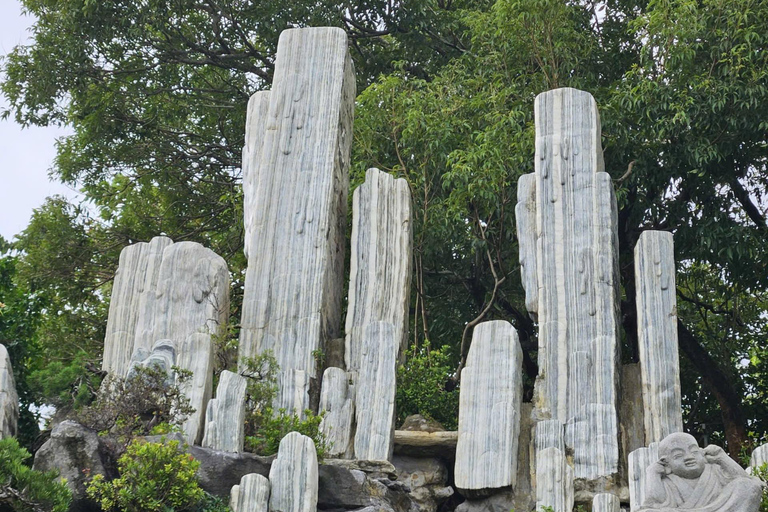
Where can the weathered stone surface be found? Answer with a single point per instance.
(380, 261)
(373, 468)
(427, 480)
(9, 399)
(554, 480)
(759, 456)
(489, 409)
(426, 444)
(161, 357)
(78, 454)
(251, 495)
(137, 275)
(255, 127)
(657, 334)
(337, 399)
(575, 287)
(631, 414)
(375, 392)
(293, 288)
(686, 477)
(225, 416)
(418, 423)
(605, 502)
(293, 475)
(196, 354)
(639, 460)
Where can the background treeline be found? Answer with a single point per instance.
(156, 92)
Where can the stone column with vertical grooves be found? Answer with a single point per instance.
(759, 456)
(225, 416)
(196, 354)
(639, 460)
(657, 334)
(136, 276)
(297, 204)
(489, 409)
(604, 502)
(255, 126)
(553, 473)
(9, 399)
(251, 495)
(337, 400)
(575, 285)
(294, 475)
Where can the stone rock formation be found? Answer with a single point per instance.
(375, 392)
(9, 400)
(657, 334)
(759, 456)
(554, 475)
(255, 125)
(337, 399)
(566, 216)
(489, 409)
(686, 477)
(639, 460)
(225, 416)
(177, 292)
(604, 502)
(251, 494)
(297, 193)
(162, 357)
(427, 479)
(294, 476)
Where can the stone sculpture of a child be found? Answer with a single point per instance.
(689, 478)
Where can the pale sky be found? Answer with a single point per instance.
(26, 154)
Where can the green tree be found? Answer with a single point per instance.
(26, 490)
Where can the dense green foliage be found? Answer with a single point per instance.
(156, 96)
(421, 388)
(24, 489)
(154, 477)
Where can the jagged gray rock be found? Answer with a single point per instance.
(9, 399)
(571, 275)
(137, 275)
(251, 494)
(639, 460)
(605, 502)
(337, 399)
(293, 475)
(375, 392)
(427, 480)
(657, 334)
(293, 289)
(489, 409)
(225, 416)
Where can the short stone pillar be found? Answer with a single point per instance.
(251, 495)
(9, 399)
(225, 417)
(294, 475)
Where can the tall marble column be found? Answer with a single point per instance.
(296, 189)
(9, 399)
(567, 218)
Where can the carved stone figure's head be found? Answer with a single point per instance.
(681, 454)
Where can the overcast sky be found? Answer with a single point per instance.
(26, 154)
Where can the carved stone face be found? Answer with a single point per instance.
(682, 455)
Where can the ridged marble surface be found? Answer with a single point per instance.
(576, 278)
(759, 456)
(9, 399)
(225, 416)
(196, 354)
(639, 460)
(489, 409)
(337, 400)
(657, 334)
(294, 476)
(554, 480)
(251, 495)
(255, 126)
(297, 204)
(605, 502)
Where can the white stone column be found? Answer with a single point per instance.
(759, 456)
(294, 476)
(297, 203)
(337, 400)
(251, 495)
(605, 502)
(255, 127)
(575, 284)
(639, 460)
(657, 334)
(196, 354)
(9, 399)
(225, 417)
(489, 409)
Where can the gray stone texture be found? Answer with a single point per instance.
(489, 409)
(251, 495)
(294, 475)
(196, 354)
(639, 460)
(759, 456)
(553, 475)
(9, 399)
(297, 198)
(605, 502)
(255, 126)
(427, 479)
(225, 416)
(567, 219)
(631, 413)
(337, 400)
(657, 334)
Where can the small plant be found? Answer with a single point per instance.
(22, 488)
(145, 403)
(154, 477)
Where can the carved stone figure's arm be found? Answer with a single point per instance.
(731, 469)
(655, 494)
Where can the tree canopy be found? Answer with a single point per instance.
(156, 94)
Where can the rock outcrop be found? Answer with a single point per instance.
(337, 400)
(293, 475)
(225, 416)
(9, 399)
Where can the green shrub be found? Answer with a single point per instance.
(421, 388)
(263, 428)
(24, 489)
(154, 477)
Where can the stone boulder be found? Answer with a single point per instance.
(427, 479)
